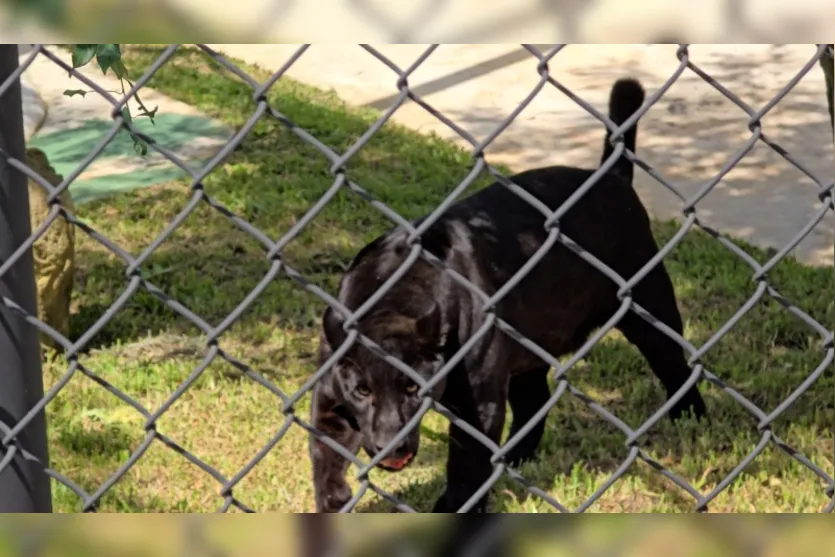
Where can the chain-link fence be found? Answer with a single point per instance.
(24, 464)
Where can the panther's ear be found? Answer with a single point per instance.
(332, 327)
(429, 327)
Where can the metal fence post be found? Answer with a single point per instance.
(24, 487)
(827, 64)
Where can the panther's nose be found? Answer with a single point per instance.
(382, 445)
(397, 458)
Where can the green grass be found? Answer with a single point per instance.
(210, 266)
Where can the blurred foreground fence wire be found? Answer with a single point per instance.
(24, 465)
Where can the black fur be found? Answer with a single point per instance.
(426, 317)
(626, 98)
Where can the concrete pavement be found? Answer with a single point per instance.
(687, 136)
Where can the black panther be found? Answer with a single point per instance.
(427, 316)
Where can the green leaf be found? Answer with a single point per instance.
(126, 114)
(82, 54)
(119, 68)
(150, 114)
(74, 92)
(107, 55)
(140, 147)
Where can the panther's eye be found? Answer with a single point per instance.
(362, 390)
(412, 388)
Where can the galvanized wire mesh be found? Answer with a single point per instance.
(135, 281)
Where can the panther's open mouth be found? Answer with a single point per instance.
(394, 464)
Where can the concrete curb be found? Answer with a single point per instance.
(34, 109)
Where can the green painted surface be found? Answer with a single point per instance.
(68, 147)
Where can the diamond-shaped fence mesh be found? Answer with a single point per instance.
(14, 446)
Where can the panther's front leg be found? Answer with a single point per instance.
(480, 401)
(331, 490)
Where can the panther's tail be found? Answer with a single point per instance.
(626, 97)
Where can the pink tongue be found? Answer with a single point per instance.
(397, 463)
